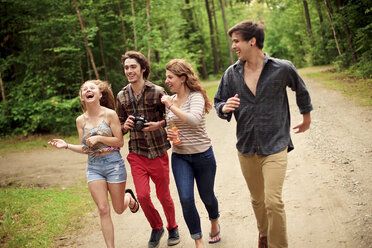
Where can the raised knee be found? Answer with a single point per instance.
(119, 210)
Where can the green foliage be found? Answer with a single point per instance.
(35, 217)
(44, 60)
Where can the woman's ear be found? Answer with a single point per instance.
(183, 79)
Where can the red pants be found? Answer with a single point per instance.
(158, 170)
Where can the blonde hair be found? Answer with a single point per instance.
(107, 100)
(180, 67)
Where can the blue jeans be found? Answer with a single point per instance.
(202, 168)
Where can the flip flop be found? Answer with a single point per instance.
(212, 237)
(135, 208)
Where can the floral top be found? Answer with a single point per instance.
(102, 129)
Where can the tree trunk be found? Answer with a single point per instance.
(321, 22)
(88, 66)
(333, 28)
(101, 48)
(123, 26)
(226, 34)
(193, 28)
(148, 30)
(134, 25)
(217, 36)
(348, 35)
(77, 45)
(2, 89)
(211, 31)
(86, 41)
(308, 21)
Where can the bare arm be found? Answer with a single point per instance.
(167, 101)
(61, 144)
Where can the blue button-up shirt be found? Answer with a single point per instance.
(263, 121)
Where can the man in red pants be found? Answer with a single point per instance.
(141, 112)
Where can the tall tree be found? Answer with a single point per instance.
(134, 24)
(86, 41)
(194, 37)
(211, 32)
(332, 26)
(307, 16)
(101, 46)
(2, 89)
(217, 37)
(148, 30)
(226, 34)
(122, 25)
(347, 33)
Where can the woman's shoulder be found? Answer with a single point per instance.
(196, 95)
(110, 113)
(80, 120)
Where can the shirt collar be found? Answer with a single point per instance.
(239, 65)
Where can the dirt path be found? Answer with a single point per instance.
(327, 191)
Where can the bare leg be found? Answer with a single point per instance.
(199, 243)
(117, 196)
(98, 190)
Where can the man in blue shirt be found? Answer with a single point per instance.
(254, 90)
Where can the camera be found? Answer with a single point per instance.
(139, 122)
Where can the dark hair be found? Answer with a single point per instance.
(249, 29)
(180, 67)
(107, 100)
(140, 58)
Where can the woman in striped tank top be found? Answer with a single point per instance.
(193, 159)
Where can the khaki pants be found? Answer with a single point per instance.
(265, 176)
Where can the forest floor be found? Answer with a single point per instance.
(327, 191)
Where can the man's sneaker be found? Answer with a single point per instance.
(173, 237)
(155, 237)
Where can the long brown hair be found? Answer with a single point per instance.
(107, 100)
(180, 67)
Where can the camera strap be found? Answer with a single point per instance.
(132, 99)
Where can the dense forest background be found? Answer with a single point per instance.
(50, 47)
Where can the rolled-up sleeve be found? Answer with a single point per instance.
(221, 96)
(296, 83)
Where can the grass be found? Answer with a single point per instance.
(211, 90)
(20, 142)
(351, 87)
(37, 217)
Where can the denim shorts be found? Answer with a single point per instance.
(109, 167)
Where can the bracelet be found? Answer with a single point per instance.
(66, 146)
(170, 106)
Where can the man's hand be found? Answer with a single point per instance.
(129, 124)
(152, 126)
(304, 125)
(231, 104)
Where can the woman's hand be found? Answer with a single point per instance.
(166, 100)
(171, 135)
(58, 143)
(91, 141)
